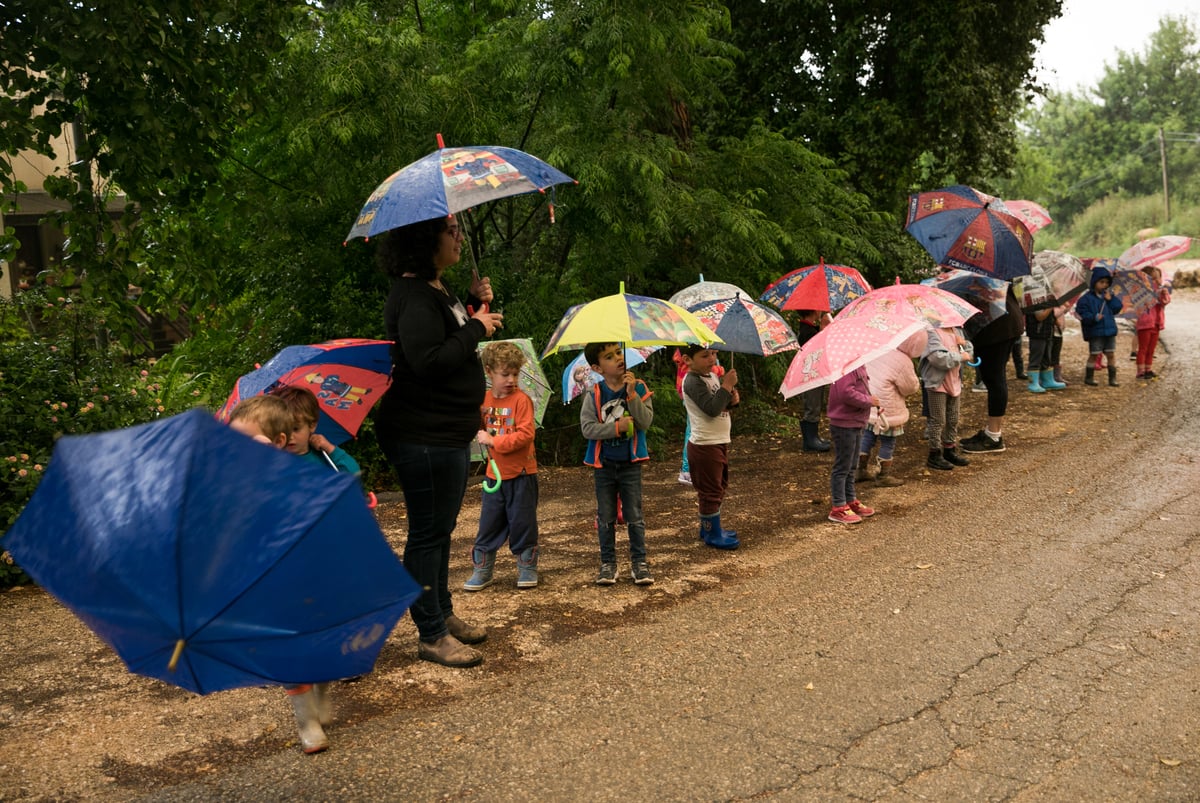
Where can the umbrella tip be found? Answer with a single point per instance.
(441, 143)
(701, 277)
(622, 288)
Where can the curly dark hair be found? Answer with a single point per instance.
(411, 248)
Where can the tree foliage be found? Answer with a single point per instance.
(903, 96)
(1105, 140)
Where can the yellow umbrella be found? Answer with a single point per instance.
(634, 321)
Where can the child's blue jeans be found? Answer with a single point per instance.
(622, 479)
(887, 444)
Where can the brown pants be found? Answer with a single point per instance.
(710, 475)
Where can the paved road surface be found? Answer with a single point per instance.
(1035, 641)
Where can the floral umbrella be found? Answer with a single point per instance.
(818, 287)
(746, 327)
(628, 319)
(964, 228)
(1034, 216)
(1153, 251)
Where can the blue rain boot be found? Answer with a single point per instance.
(527, 576)
(1049, 382)
(712, 534)
(1035, 384)
(484, 563)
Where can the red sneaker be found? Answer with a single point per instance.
(844, 515)
(861, 509)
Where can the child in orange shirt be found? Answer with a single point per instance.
(508, 513)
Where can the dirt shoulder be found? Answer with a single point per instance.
(74, 724)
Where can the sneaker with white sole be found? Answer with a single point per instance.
(685, 478)
(641, 574)
(844, 515)
(983, 444)
(607, 575)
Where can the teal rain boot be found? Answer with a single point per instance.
(527, 576)
(485, 564)
(1035, 385)
(712, 534)
(1049, 382)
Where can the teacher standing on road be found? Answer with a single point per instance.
(429, 415)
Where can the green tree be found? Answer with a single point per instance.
(901, 95)
(1106, 140)
(148, 92)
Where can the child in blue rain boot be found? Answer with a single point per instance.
(708, 400)
(508, 512)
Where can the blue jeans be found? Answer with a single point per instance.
(887, 444)
(845, 455)
(434, 479)
(624, 480)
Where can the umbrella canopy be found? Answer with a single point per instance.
(1063, 274)
(818, 287)
(1034, 216)
(210, 561)
(984, 293)
(1153, 251)
(1131, 285)
(578, 376)
(746, 327)
(703, 291)
(912, 302)
(532, 379)
(347, 376)
(967, 229)
(854, 338)
(450, 180)
(631, 320)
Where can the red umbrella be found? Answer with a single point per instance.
(820, 287)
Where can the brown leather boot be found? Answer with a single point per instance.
(449, 651)
(885, 479)
(467, 634)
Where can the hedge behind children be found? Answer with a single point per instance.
(509, 512)
(708, 400)
(614, 418)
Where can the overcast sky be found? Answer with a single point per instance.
(1090, 33)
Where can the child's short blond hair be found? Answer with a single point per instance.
(271, 413)
(502, 355)
(301, 401)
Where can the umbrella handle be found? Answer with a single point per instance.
(973, 363)
(495, 470)
(175, 656)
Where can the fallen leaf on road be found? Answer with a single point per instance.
(808, 687)
(1170, 762)
(924, 565)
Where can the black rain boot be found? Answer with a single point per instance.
(1089, 377)
(812, 439)
(953, 457)
(937, 461)
(1112, 377)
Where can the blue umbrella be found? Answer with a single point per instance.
(745, 326)
(984, 293)
(210, 561)
(450, 180)
(967, 229)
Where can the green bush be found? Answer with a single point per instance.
(60, 374)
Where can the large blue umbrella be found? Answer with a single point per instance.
(210, 561)
(967, 229)
(450, 180)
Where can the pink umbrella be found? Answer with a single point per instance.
(1153, 251)
(1034, 216)
(869, 327)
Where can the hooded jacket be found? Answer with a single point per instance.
(940, 360)
(891, 378)
(1097, 315)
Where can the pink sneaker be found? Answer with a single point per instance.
(861, 509)
(844, 515)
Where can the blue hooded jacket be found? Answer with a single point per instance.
(1098, 315)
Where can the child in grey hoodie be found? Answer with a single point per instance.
(941, 378)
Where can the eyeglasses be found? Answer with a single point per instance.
(454, 231)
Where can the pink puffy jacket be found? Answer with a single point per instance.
(892, 378)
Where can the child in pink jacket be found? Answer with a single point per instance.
(1150, 323)
(891, 380)
(849, 408)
